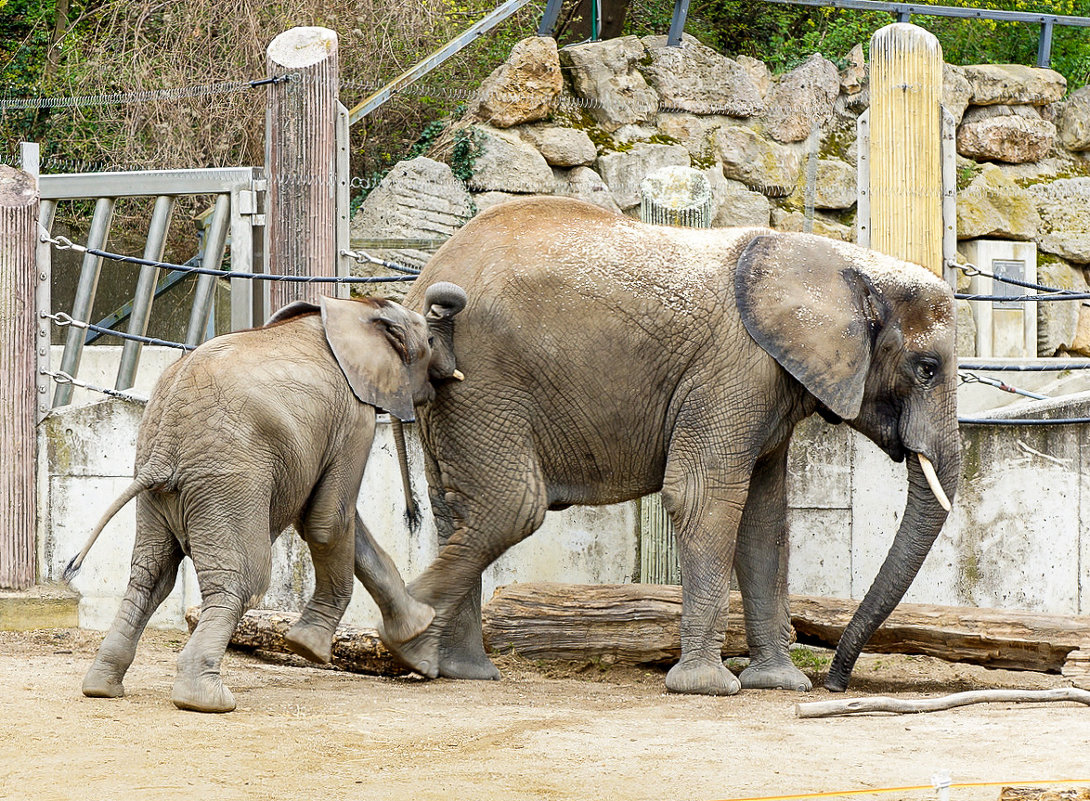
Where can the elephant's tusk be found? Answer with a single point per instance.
(933, 481)
(458, 376)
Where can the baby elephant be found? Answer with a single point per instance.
(248, 434)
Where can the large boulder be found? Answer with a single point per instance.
(834, 187)
(504, 163)
(1014, 134)
(1057, 323)
(760, 164)
(624, 171)
(524, 88)
(956, 91)
(1014, 84)
(418, 199)
(605, 75)
(1074, 247)
(733, 204)
(758, 72)
(695, 78)
(561, 147)
(995, 206)
(795, 221)
(854, 75)
(1073, 121)
(1064, 205)
(802, 99)
(585, 184)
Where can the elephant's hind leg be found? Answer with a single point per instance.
(403, 617)
(705, 512)
(155, 559)
(232, 554)
(761, 565)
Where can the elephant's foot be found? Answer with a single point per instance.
(775, 676)
(466, 663)
(702, 677)
(202, 693)
(421, 653)
(410, 618)
(310, 642)
(103, 681)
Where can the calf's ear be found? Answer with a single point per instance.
(369, 342)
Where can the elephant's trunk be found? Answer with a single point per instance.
(923, 518)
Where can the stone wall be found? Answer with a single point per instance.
(592, 120)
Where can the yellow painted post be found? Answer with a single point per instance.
(905, 149)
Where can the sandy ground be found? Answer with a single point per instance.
(543, 732)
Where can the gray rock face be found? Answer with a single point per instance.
(854, 76)
(1073, 120)
(956, 91)
(795, 221)
(486, 200)
(695, 78)
(605, 75)
(585, 184)
(836, 185)
(524, 88)
(966, 329)
(1057, 323)
(1074, 247)
(802, 99)
(623, 172)
(507, 164)
(561, 147)
(1064, 205)
(734, 205)
(1014, 84)
(758, 73)
(765, 166)
(1014, 134)
(418, 199)
(993, 205)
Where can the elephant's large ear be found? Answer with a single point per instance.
(369, 343)
(807, 304)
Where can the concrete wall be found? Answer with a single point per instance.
(1016, 539)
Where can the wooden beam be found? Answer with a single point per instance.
(19, 207)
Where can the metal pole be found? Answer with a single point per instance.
(1044, 44)
(85, 296)
(18, 369)
(547, 26)
(344, 219)
(144, 294)
(214, 244)
(677, 24)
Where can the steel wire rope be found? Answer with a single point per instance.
(142, 96)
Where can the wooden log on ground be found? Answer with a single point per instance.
(355, 650)
(1044, 794)
(638, 623)
(902, 706)
(619, 623)
(995, 638)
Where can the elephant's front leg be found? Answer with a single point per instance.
(403, 617)
(705, 510)
(761, 565)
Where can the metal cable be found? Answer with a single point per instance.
(1058, 367)
(1021, 421)
(120, 98)
(62, 320)
(63, 378)
(63, 243)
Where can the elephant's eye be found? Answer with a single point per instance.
(925, 370)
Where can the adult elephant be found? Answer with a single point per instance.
(605, 359)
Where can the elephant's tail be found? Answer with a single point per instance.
(145, 479)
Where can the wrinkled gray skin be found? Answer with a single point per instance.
(605, 359)
(248, 434)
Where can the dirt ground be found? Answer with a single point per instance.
(543, 732)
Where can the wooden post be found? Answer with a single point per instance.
(18, 377)
(905, 145)
(301, 160)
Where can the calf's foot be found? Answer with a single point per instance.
(310, 642)
(421, 653)
(202, 693)
(103, 681)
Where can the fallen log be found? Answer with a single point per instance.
(1045, 794)
(354, 649)
(638, 623)
(903, 706)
